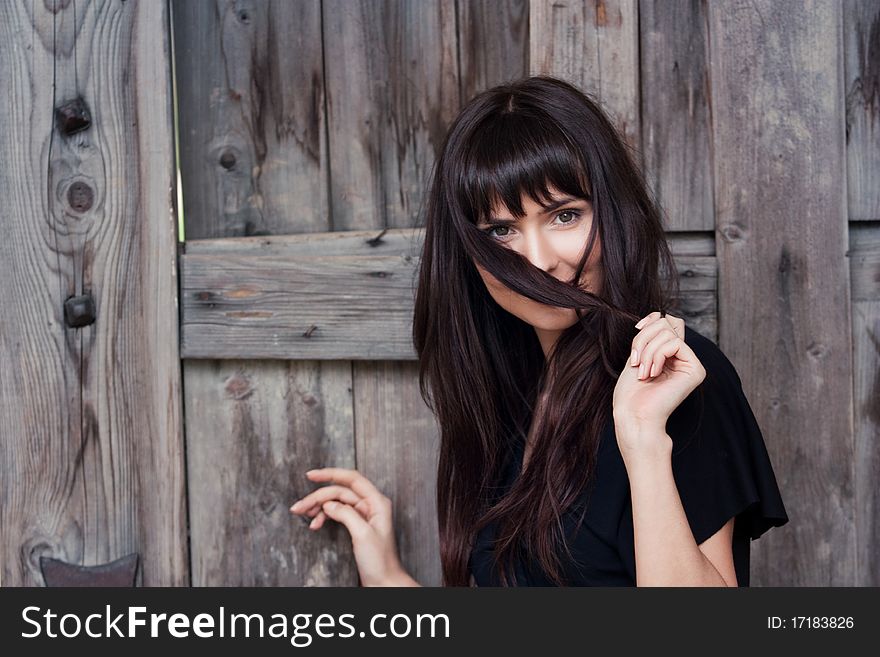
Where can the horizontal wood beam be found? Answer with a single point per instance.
(343, 295)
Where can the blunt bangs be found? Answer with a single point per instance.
(512, 153)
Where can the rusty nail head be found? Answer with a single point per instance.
(73, 116)
(79, 311)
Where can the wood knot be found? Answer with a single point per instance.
(206, 297)
(80, 197)
(732, 232)
(227, 159)
(56, 6)
(238, 386)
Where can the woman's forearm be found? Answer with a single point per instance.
(666, 552)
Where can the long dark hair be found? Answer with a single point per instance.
(481, 369)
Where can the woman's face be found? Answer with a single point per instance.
(553, 240)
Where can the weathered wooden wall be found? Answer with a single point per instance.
(742, 115)
(91, 443)
(861, 74)
(307, 132)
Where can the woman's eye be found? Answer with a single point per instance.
(489, 232)
(570, 213)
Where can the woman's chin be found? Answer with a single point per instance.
(558, 320)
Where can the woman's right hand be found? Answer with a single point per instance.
(353, 500)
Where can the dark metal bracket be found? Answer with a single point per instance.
(120, 573)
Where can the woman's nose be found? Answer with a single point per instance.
(540, 253)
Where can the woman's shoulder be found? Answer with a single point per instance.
(716, 405)
(720, 461)
(720, 372)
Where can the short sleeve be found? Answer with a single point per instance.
(719, 459)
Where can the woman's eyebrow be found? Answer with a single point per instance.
(558, 203)
(555, 204)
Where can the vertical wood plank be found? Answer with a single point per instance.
(593, 45)
(861, 31)
(92, 450)
(253, 430)
(254, 161)
(777, 99)
(493, 43)
(253, 145)
(392, 90)
(398, 447)
(675, 114)
(864, 257)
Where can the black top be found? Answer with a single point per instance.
(721, 469)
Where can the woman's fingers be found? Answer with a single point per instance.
(351, 478)
(357, 482)
(346, 514)
(349, 488)
(653, 350)
(316, 498)
(642, 352)
(358, 505)
(647, 319)
(661, 349)
(656, 354)
(318, 520)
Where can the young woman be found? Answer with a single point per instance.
(587, 437)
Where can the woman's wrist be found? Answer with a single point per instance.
(642, 443)
(400, 578)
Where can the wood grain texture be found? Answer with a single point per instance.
(333, 307)
(387, 242)
(861, 29)
(392, 89)
(253, 144)
(254, 161)
(255, 299)
(253, 431)
(493, 43)
(784, 295)
(675, 115)
(595, 46)
(864, 258)
(91, 460)
(398, 444)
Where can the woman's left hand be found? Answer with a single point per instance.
(666, 371)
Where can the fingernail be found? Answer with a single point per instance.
(312, 523)
(296, 505)
(308, 472)
(639, 325)
(653, 367)
(331, 505)
(634, 357)
(641, 370)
